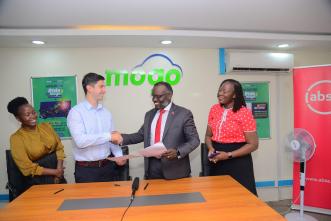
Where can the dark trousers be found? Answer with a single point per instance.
(154, 169)
(105, 173)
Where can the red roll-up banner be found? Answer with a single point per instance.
(312, 111)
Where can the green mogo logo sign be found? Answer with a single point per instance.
(123, 78)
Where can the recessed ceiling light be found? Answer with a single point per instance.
(166, 42)
(283, 46)
(38, 42)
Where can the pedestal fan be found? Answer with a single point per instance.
(300, 143)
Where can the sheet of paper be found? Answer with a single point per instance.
(155, 150)
(125, 157)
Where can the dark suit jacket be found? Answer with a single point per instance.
(179, 133)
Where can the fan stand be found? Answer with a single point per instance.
(300, 216)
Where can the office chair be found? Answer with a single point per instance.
(17, 182)
(204, 160)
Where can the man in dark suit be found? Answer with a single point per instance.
(174, 127)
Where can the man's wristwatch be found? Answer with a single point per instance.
(229, 155)
(178, 155)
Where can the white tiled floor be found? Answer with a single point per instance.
(283, 207)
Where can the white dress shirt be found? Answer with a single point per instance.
(164, 119)
(91, 130)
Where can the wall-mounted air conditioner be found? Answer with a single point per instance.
(255, 61)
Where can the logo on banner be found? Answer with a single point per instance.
(153, 69)
(318, 97)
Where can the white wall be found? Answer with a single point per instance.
(196, 91)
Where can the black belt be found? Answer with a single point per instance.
(97, 163)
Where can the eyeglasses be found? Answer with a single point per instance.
(159, 96)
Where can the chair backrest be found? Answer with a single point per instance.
(17, 182)
(124, 171)
(204, 161)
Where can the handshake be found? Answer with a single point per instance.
(116, 138)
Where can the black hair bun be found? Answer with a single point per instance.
(15, 104)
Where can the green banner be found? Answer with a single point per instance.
(53, 97)
(257, 99)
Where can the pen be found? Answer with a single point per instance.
(58, 191)
(146, 186)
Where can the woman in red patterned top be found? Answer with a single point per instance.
(231, 135)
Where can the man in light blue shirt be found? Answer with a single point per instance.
(91, 126)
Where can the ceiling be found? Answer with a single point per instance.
(236, 24)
